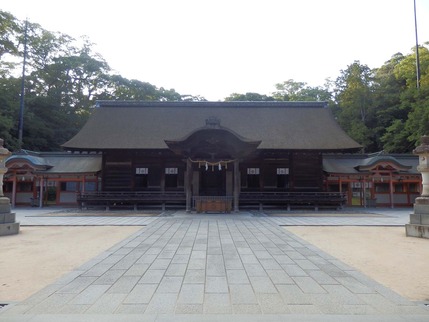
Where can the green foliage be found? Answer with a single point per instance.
(248, 97)
(299, 91)
(64, 78)
(380, 108)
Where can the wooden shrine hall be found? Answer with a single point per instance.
(212, 156)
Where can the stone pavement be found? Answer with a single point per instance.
(211, 268)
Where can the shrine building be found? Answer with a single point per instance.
(212, 156)
(207, 156)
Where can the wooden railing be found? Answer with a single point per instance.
(314, 200)
(129, 199)
(289, 200)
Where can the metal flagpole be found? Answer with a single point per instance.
(417, 47)
(21, 105)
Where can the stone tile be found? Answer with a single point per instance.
(131, 309)
(141, 294)
(283, 259)
(269, 264)
(233, 263)
(152, 276)
(110, 277)
(160, 263)
(124, 284)
(237, 276)
(52, 304)
(195, 276)
(354, 285)
(217, 304)
(303, 309)
(279, 276)
(246, 309)
(322, 278)
(244, 251)
(176, 269)
(294, 270)
(262, 254)
(272, 304)
(170, 284)
(189, 309)
(342, 295)
(306, 264)
(242, 294)
(74, 309)
(216, 284)
(77, 285)
(293, 295)
(137, 270)
(215, 265)
(162, 303)
(262, 284)
(249, 259)
(180, 259)
(191, 294)
(97, 270)
(308, 285)
(255, 270)
(146, 259)
(90, 295)
(108, 303)
(197, 263)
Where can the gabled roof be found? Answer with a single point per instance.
(364, 163)
(58, 162)
(147, 125)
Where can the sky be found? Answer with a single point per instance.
(216, 48)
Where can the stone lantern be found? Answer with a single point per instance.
(8, 226)
(419, 220)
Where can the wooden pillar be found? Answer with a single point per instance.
(364, 192)
(236, 185)
(42, 183)
(391, 190)
(14, 190)
(188, 185)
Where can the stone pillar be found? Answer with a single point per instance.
(236, 185)
(419, 220)
(8, 226)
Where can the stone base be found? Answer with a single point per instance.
(4, 205)
(419, 219)
(7, 218)
(413, 230)
(9, 229)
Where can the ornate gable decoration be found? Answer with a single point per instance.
(213, 122)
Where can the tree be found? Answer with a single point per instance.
(299, 91)
(354, 98)
(248, 97)
(411, 114)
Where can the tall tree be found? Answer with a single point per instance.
(291, 90)
(354, 97)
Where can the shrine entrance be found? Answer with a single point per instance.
(215, 151)
(212, 182)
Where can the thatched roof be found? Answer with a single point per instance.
(146, 125)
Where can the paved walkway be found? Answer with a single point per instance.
(211, 268)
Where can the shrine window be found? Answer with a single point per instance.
(282, 177)
(70, 186)
(141, 178)
(253, 178)
(171, 177)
